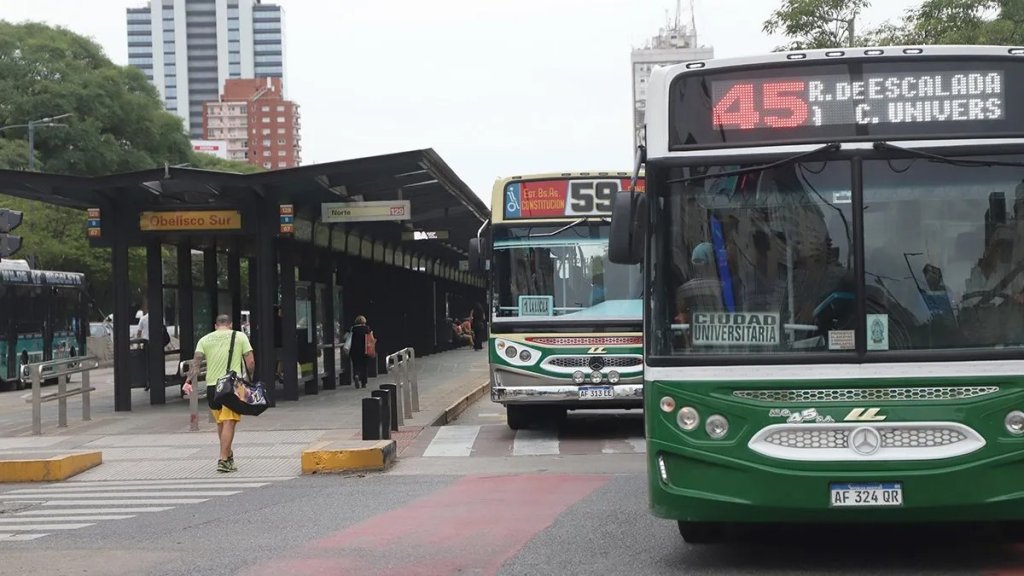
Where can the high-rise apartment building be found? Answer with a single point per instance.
(674, 44)
(189, 48)
(259, 125)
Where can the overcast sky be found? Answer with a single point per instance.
(496, 87)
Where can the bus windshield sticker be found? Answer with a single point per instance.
(841, 340)
(845, 197)
(878, 331)
(536, 305)
(728, 328)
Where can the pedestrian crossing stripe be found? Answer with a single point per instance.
(460, 441)
(74, 505)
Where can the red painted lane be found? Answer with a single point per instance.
(472, 526)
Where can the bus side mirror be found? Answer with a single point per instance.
(628, 229)
(476, 255)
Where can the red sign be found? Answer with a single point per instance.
(566, 198)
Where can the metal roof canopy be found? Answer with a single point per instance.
(439, 199)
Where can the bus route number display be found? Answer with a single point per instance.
(837, 99)
(563, 198)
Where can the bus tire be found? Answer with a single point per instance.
(700, 532)
(518, 417)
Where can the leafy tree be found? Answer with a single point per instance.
(211, 162)
(816, 23)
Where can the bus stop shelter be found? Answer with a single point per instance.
(381, 236)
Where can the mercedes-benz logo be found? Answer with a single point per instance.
(865, 441)
(596, 364)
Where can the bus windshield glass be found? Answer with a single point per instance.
(540, 275)
(759, 262)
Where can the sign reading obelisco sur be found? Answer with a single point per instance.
(388, 210)
(190, 220)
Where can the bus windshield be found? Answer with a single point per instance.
(566, 274)
(763, 262)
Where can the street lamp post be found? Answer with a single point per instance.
(31, 125)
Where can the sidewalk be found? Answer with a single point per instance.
(155, 441)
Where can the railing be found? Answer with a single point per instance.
(61, 370)
(403, 365)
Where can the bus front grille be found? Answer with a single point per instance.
(931, 393)
(893, 441)
(584, 361)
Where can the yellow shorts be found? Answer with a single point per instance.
(225, 414)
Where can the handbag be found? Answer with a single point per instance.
(371, 345)
(235, 393)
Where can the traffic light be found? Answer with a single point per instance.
(9, 244)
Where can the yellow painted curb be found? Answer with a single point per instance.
(353, 456)
(48, 469)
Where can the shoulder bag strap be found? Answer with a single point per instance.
(231, 349)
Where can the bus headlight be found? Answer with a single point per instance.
(525, 355)
(662, 469)
(717, 426)
(668, 404)
(688, 418)
(595, 377)
(578, 377)
(613, 377)
(511, 352)
(1015, 422)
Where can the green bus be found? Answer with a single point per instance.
(565, 321)
(43, 316)
(834, 297)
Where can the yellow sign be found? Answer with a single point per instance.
(190, 220)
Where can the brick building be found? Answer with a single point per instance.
(259, 125)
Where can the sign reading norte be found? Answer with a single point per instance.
(190, 220)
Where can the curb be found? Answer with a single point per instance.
(348, 456)
(453, 411)
(52, 469)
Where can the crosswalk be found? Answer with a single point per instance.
(461, 441)
(31, 513)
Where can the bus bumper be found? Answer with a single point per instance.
(706, 487)
(514, 388)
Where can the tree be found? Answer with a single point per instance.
(816, 23)
(995, 22)
(211, 162)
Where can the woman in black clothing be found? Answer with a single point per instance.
(479, 325)
(360, 360)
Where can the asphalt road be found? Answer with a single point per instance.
(539, 515)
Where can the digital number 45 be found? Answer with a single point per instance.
(780, 105)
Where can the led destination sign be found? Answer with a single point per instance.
(878, 98)
(847, 101)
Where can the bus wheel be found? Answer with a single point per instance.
(518, 417)
(700, 532)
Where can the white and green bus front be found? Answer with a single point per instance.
(835, 327)
(565, 330)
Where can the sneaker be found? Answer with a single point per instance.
(226, 466)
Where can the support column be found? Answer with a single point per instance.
(235, 285)
(327, 276)
(122, 315)
(308, 273)
(210, 284)
(286, 255)
(186, 303)
(155, 297)
(266, 293)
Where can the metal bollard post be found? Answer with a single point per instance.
(413, 384)
(62, 402)
(86, 405)
(385, 412)
(193, 398)
(37, 403)
(371, 418)
(396, 412)
(406, 390)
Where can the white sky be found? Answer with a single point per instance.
(496, 87)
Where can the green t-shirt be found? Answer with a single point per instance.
(214, 347)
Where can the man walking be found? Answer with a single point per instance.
(216, 349)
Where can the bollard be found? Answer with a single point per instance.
(413, 383)
(371, 418)
(385, 412)
(396, 412)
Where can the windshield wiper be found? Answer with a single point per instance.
(566, 227)
(965, 163)
(832, 147)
